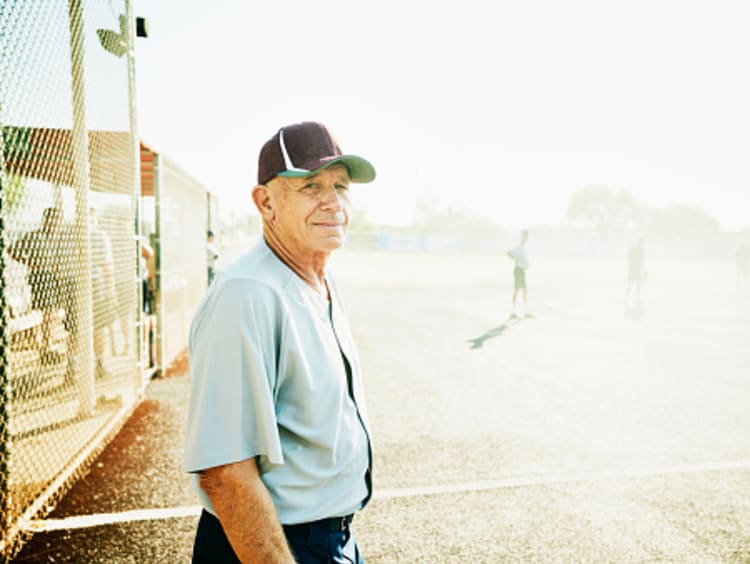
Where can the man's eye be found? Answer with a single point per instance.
(343, 187)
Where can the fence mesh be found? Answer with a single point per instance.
(69, 338)
(182, 223)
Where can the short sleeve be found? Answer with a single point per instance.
(232, 369)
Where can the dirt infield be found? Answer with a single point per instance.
(581, 434)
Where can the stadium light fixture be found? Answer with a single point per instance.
(117, 43)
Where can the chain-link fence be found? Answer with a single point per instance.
(178, 233)
(69, 337)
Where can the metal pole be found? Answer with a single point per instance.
(136, 179)
(159, 331)
(81, 337)
(5, 390)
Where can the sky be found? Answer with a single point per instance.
(503, 109)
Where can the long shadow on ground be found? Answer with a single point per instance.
(478, 342)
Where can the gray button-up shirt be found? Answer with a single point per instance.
(269, 359)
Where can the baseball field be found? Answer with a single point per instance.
(582, 433)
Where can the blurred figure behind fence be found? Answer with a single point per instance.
(42, 252)
(211, 255)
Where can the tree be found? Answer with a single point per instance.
(15, 190)
(436, 220)
(359, 222)
(605, 209)
(680, 221)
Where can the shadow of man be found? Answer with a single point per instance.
(478, 342)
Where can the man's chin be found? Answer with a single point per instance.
(335, 244)
(331, 243)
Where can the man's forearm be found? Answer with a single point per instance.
(246, 513)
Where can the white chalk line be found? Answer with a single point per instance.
(550, 479)
(100, 519)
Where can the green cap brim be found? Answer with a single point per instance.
(360, 170)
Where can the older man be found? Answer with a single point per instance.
(277, 437)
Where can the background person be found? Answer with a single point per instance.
(636, 275)
(39, 251)
(103, 292)
(520, 266)
(148, 297)
(277, 437)
(742, 263)
(211, 255)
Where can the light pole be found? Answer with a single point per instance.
(119, 44)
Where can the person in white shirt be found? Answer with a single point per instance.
(104, 295)
(521, 265)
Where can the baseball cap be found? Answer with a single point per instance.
(304, 148)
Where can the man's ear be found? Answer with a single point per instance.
(262, 198)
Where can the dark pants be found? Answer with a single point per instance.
(321, 542)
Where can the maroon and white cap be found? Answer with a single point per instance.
(304, 148)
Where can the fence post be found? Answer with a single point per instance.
(83, 345)
(135, 152)
(159, 332)
(6, 518)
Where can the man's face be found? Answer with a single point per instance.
(312, 213)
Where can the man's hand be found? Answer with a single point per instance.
(246, 513)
